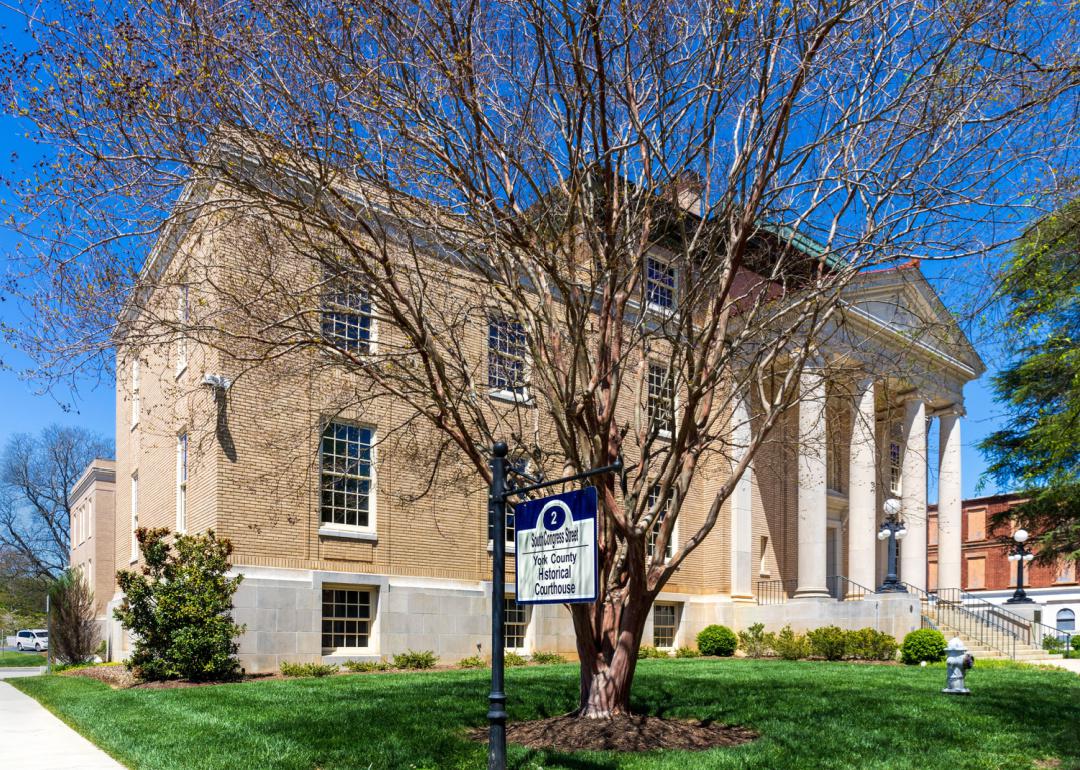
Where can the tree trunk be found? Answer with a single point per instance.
(608, 661)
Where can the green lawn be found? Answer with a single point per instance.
(809, 714)
(20, 659)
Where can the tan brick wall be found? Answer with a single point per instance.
(93, 516)
(253, 451)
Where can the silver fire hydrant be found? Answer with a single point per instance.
(957, 662)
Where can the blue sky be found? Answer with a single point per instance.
(25, 408)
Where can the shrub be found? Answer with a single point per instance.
(1076, 643)
(648, 651)
(547, 658)
(412, 659)
(1053, 644)
(512, 659)
(364, 666)
(474, 661)
(923, 644)
(753, 641)
(870, 644)
(687, 652)
(179, 608)
(829, 642)
(717, 640)
(788, 644)
(73, 634)
(307, 669)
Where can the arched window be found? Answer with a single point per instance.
(1066, 620)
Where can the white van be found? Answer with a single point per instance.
(35, 639)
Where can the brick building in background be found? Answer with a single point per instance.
(988, 574)
(92, 530)
(343, 553)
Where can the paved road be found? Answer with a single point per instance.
(31, 737)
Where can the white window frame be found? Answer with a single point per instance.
(183, 317)
(895, 448)
(677, 611)
(353, 531)
(182, 463)
(654, 364)
(669, 263)
(520, 395)
(527, 609)
(654, 530)
(134, 516)
(326, 308)
(136, 399)
(373, 605)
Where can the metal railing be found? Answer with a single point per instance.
(1026, 631)
(946, 608)
(774, 591)
(844, 590)
(838, 586)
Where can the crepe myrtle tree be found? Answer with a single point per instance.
(603, 184)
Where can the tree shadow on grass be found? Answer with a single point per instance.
(808, 715)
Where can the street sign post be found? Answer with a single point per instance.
(555, 549)
(575, 518)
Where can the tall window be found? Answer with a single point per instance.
(347, 316)
(515, 623)
(181, 482)
(659, 283)
(135, 401)
(654, 532)
(976, 572)
(345, 455)
(346, 618)
(134, 515)
(183, 317)
(661, 400)
(507, 352)
(1066, 621)
(1066, 572)
(896, 457)
(976, 524)
(665, 624)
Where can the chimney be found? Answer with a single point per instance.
(686, 192)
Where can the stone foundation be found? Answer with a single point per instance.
(282, 612)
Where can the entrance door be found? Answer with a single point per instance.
(832, 563)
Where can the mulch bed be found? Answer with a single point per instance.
(621, 733)
(119, 678)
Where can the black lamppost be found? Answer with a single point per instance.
(1020, 554)
(893, 529)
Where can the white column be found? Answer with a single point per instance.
(913, 495)
(741, 521)
(949, 494)
(862, 493)
(812, 490)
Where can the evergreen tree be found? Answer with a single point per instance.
(1038, 450)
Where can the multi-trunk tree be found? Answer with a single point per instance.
(603, 185)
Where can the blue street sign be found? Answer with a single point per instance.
(556, 554)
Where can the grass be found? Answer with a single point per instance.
(21, 659)
(809, 714)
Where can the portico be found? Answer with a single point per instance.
(868, 404)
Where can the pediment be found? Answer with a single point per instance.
(901, 300)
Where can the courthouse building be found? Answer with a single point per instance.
(344, 556)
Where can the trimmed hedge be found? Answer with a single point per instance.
(923, 644)
(829, 642)
(717, 640)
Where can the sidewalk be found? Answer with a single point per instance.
(31, 737)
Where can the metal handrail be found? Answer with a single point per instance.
(1027, 631)
(844, 589)
(974, 624)
(774, 591)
